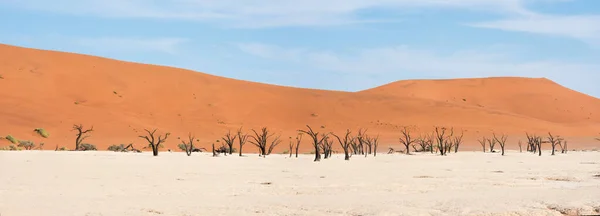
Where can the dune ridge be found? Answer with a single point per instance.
(54, 90)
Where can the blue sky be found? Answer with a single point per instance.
(345, 45)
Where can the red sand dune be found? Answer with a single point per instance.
(54, 90)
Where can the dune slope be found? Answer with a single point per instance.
(54, 90)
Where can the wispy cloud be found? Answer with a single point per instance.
(117, 44)
(400, 61)
(257, 13)
(580, 27)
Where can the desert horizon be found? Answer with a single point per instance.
(120, 99)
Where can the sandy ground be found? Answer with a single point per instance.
(468, 183)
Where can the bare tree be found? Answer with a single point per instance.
(155, 142)
(260, 140)
(189, 146)
(361, 141)
(347, 141)
(520, 146)
(375, 142)
(298, 141)
(406, 139)
(316, 141)
(534, 143)
(213, 150)
(291, 151)
(458, 140)
(564, 147)
(229, 140)
(501, 141)
(492, 143)
(273, 144)
(326, 146)
(554, 141)
(242, 138)
(442, 139)
(81, 134)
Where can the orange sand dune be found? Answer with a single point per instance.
(54, 90)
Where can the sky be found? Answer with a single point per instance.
(347, 45)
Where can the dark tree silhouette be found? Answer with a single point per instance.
(375, 142)
(345, 143)
(564, 147)
(457, 141)
(81, 135)
(501, 141)
(442, 139)
(492, 142)
(316, 141)
(260, 140)
(274, 143)
(155, 142)
(291, 150)
(535, 143)
(298, 141)
(326, 146)
(229, 140)
(189, 146)
(361, 145)
(554, 141)
(242, 138)
(406, 139)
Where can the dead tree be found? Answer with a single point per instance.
(189, 147)
(273, 144)
(492, 143)
(375, 145)
(326, 146)
(242, 138)
(316, 141)
(554, 141)
(501, 141)
(532, 143)
(291, 150)
(213, 150)
(457, 141)
(442, 139)
(298, 140)
(229, 140)
(520, 146)
(260, 140)
(155, 142)
(564, 147)
(361, 142)
(406, 139)
(423, 142)
(345, 143)
(81, 134)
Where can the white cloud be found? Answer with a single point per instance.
(582, 27)
(391, 63)
(120, 45)
(256, 13)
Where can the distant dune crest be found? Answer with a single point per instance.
(54, 90)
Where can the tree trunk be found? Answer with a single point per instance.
(155, 150)
(317, 154)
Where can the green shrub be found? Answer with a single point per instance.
(28, 145)
(12, 139)
(42, 132)
(87, 147)
(10, 148)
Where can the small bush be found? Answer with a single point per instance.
(42, 132)
(28, 145)
(12, 139)
(63, 149)
(117, 148)
(10, 148)
(87, 147)
(285, 152)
